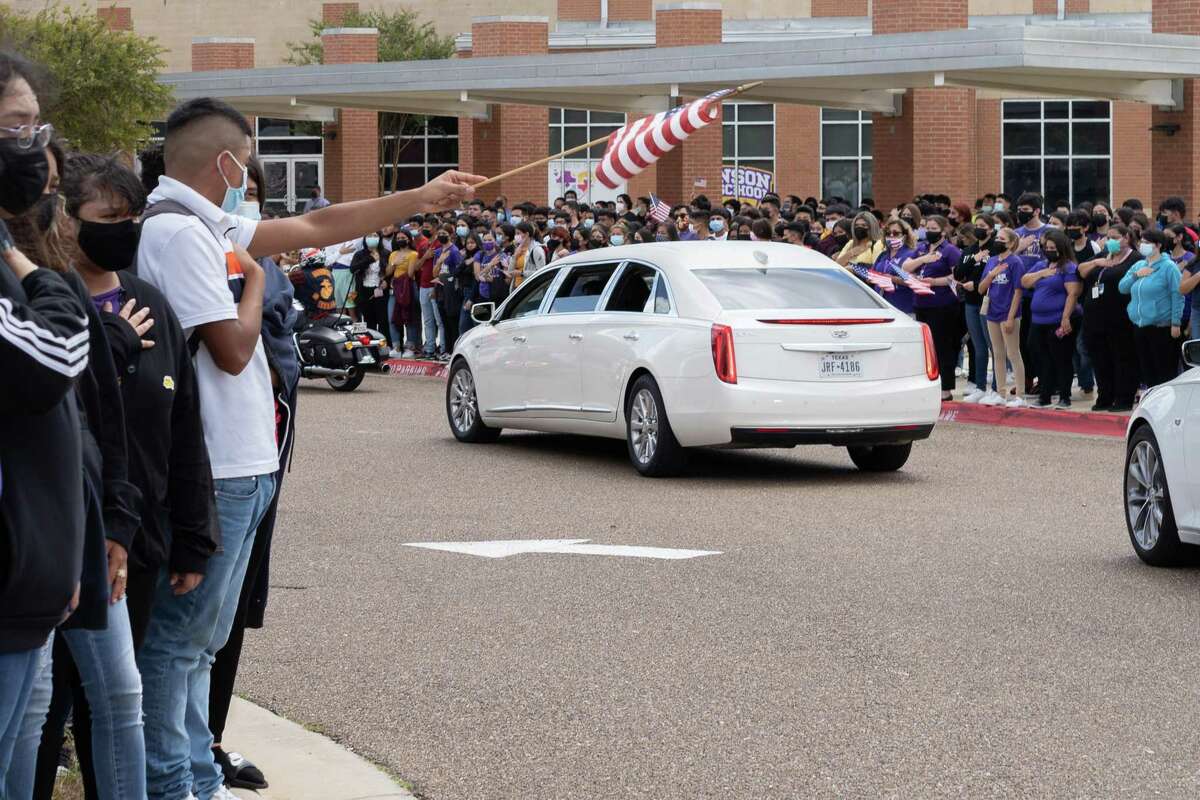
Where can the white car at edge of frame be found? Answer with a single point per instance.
(677, 345)
(1162, 469)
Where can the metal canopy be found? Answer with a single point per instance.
(851, 72)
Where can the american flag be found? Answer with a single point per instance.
(636, 145)
(915, 285)
(877, 279)
(660, 211)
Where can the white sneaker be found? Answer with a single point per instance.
(223, 793)
(958, 372)
(1016, 402)
(970, 387)
(991, 399)
(975, 396)
(408, 354)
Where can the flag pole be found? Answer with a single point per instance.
(543, 161)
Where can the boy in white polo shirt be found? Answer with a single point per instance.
(198, 252)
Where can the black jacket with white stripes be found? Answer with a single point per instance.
(43, 348)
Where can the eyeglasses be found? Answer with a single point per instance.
(30, 136)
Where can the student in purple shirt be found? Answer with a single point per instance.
(1001, 285)
(1056, 287)
(899, 246)
(934, 263)
(1029, 222)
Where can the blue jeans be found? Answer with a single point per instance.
(977, 328)
(113, 687)
(1083, 365)
(1195, 325)
(22, 712)
(182, 640)
(431, 315)
(465, 322)
(395, 332)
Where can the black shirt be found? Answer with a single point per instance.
(1103, 302)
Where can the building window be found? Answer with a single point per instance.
(748, 150)
(1061, 149)
(425, 148)
(846, 164)
(569, 128)
(289, 137)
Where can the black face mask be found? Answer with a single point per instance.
(860, 233)
(443, 238)
(23, 176)
(110, 245)
(1099, 220)
(982, 234)
(908, 220)
(426, 233)
(1075, 233)
(1024, 217)
(1051, 256)
(997, 247)
(933, 237)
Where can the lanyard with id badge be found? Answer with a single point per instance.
(1098, 288)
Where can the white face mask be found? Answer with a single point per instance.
(621, 208)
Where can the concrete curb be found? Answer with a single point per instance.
(412, 366)
(300, 764)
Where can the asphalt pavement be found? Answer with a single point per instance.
(974, 626)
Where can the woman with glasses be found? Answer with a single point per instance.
(934, 264)
(899, 246)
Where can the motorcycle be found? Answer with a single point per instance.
(329, 344)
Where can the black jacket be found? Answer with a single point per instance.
(43, 347)
(102, 411)
(168, 460)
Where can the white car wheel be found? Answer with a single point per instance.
(1148, 513)
(653, 448)
(462, 407)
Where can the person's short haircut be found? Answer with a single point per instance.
(762, 229)
(1125, 214)
(1134, 203)
(1079, 219)
(201, 108)
(796, 227)
(806, 209)
(14, 65)
(477, 203)
(1032, 199)
(702, 201)
(838, 208)
(1141, 219)
(1154, 236)
(524, 227)
(88, 177)
(1174, 203)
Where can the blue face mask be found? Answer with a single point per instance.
(462, 231)
(588, 223)
(1112, 245)
(616, 240)
(373, 242)
(715, 225)
(1146, 249)
(249, 209)
(986, 209)
(233, 197)
(661, 237)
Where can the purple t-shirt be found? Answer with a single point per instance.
(687, 236)
(114, 296)
(890, 264)
(942, 296)
(1004, 286)
(1034, 249)
(1050, 294)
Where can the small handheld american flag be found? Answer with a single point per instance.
(914, 284)
(638, 144)
(877, 279)
(660, 211)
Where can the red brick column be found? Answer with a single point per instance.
(930, 146)
(515, 135)
(988, 175)
(1132, 152)
(693, 167)
(221, 52)
(1175, 170)
(797, 150)
(352, 143)
(117, 19)
(579, 10)
(334, 14)
(629, 10)
(839, 8)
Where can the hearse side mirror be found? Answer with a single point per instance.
(483, 312)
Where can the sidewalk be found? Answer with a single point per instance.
(302, 765)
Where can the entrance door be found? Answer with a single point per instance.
(290, 181)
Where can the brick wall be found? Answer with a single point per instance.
(840, 8)
(1050, 7)
(693, 167)
(988, 173)
(1174, 157)
(1131, 152)
(908, 16)
(117, 19)
(797, 149)
(579, 10)
(515, 135)
(626, 10)
(334, 14)
(352, 154)
(212, 54)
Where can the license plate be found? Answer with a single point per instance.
(358, 327)
(366, 358)
(840, 365)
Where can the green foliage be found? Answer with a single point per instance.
(403, 36)
(104, 89)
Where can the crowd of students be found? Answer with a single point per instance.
(1095, 296)
(145, 419)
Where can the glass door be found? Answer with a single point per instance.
(290, 181)
(275, 193)
(306, 176)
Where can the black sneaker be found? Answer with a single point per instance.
(239, 773)
(1121, 408)
(1102, 406)
(1064, 403)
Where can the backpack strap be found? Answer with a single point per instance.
(175, 207)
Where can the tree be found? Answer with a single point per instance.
(403, 36)
(104, 91)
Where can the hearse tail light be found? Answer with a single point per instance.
(722, 353)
